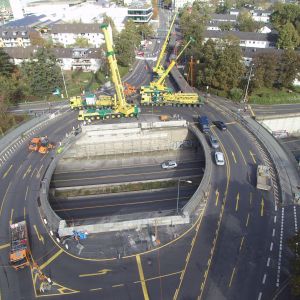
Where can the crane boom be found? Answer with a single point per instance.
(116, 78)
(161, 80)
(158, 67)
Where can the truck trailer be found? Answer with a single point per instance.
(263, 178)
(203, 123)
(19, 245)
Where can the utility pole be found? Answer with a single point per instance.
(248, 82)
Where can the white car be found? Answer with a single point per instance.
(219, 157)
(169, 164)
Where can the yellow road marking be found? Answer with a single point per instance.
(262, 207)
(237, 201)
(252, 155)
(4, 198)
(24, 212)
(27, 171)
(11, 216)
(241, 244)
(6, 173)
(4, 246)
(231, 278)
(38, 174)
(233, 156)
(118, 285)
(217, 197)
(95, 289)
(120, 204)
(46, 263)
(247, 221)
(159, 277)
(100, 272)
(39, 236)
(33, 172)
(19, 169)
(141, 273)
(239, 148)
(26, 193)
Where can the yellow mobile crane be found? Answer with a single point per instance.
(120, 107)
(157, 93)
(159, 69)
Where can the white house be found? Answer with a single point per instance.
(69, 58)
(247, 39)
(66, 34)
(264, 29)
(261, 15)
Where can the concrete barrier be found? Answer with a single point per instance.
(200, 196)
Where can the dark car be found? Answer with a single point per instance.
(220, 124)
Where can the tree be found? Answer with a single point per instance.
(265, 70)
(42, 73)
(81, 42)
(226, 26)
(246, 22)
(6, 67)
(36, 39)
(167, 3)
(145, 31)
(288, 37)
(285, 13)
(289, 68)
(230, 68)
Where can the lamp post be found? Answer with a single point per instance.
(178, 185)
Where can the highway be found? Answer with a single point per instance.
(231, 251)
(90, 208)
(119, 175)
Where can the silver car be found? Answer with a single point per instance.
(213, 141)
(169, 164)
(219, 157)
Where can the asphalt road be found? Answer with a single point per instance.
(92, 207)
(119, 175)
(232, 251)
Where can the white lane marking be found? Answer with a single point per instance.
(268, 262)
(280, 248)
(264, 279)
(271, 246)
(273, 233)
(275, 218)
(259, 296)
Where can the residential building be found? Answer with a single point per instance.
(176, 4)
(261, 15)
(66, 34)
(249, 53)
(247, 39)
(140, 13)
(15, 36)
(264, 29)
(223, 18)
(89, 59)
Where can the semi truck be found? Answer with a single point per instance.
(19, 245)
(203, 123)
(263, 178)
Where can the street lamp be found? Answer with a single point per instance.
(178, 185)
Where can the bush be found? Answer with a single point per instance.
(236, 94)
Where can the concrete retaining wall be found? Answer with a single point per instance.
(199, 197)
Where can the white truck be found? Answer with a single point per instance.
(263, 178)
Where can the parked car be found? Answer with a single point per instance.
(220, 124)
(219, 158)
(169, 164)
(213, 141)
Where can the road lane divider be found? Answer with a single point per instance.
(217, 197)
(6, 173)
(142, 277)
(239, 148)
(247, 221)
(24, 213)
(26, 192)
(233, 156)
(4, 246)
(39, 236)
(262, 204)
(27, 171)
(52, 258)
(252, 155)
(4, 198)
(242, 242)
(237, 201)
(11, 216)
(231, 277)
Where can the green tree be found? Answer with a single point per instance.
(6, 67)
(230, 68)
(265, 70)
(167, 3)
(236, 94)
(285, 13)
(226, 26)
(145, 31)
(246, 22)
(288, 37)
(289, 68)
(81, 42)
(42, 73)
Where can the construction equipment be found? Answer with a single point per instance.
(19, 245)
(45, 145)
(164, 117)
(120, 107)
(91, 101)
(157, 93)
(158, 70)
(34, 144)
(129, 89)
(263, 178)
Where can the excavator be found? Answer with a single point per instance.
(120, 107)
